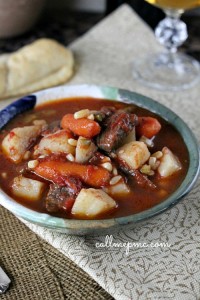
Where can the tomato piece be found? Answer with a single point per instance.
(148, 127)
(67, 205)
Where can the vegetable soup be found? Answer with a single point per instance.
(86, 158)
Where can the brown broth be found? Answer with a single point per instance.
(139, 199)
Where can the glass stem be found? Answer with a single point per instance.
(171, 32)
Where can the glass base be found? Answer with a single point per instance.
(167, 71)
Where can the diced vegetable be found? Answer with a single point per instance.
(154, 163)
(91, 202)
(55, 170)
(114, 180)
(55, 143)
(82, 127)
(169, 163)
(118, 189)
(27, 188)
(157, 154)
(148, 142)
(16, 143)
(70, 157)
(108, 166)
(33, 163)
(41, 123)
(84, 150)
(83, 113)
(148, 127)
(134, 154)
(146, 169)
(130, 137)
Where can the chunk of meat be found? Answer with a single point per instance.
(74, 184)
(81, 127)
(63, 197)
(90, 203)
(118, 126)
(135, 154)
(104, 114)
(55, 143)
(18, 141)
(141, 179)
(108, 110)
(98, 158)
(56, 171)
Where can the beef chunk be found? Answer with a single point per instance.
(104, 113)
(74, 184)
(63, 197)
(108, 110)
(118, 126)
(97, 159)
(141, 179)
(57, 198)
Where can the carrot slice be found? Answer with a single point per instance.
(148, 127)
(89, 174)
(82, 127)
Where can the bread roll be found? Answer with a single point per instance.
(39, 65)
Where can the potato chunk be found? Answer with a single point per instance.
(84, 150)
(55, 143)
(92, 202)
(27, 188)
(18, 140)
(134, 154)
(169, 163)
(118, 189)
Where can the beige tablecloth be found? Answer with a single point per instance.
(104, 56)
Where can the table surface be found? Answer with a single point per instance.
(39, 271)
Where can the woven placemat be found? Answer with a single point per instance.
(37, 270)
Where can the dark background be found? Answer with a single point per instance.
(149, 13)
(65, 26)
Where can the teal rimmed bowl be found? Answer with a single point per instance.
(70, 226)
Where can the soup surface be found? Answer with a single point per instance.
(88, 158)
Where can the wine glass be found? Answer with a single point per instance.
(170, 70)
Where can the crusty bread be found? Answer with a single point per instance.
(39, 65)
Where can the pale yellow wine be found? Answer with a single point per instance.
(175, 4)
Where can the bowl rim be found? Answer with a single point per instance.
(116, 94)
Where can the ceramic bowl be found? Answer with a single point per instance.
(18, 16)
(70, 226)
